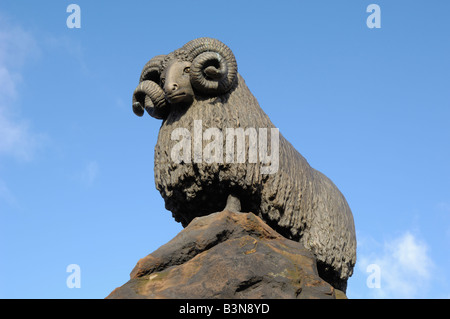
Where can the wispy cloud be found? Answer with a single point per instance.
(18, 45)
(90, 173)
(16, 137)
(73, 48)
(444, 206)
(406, 268)
(443, 209)
(7, 83)
(6, 195)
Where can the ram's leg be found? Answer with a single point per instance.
(233, 204)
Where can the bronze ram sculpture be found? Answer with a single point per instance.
(197, 88)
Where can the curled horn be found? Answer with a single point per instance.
(151, 69)
(149, 95)
(214, 67)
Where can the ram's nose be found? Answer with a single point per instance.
(171, 87)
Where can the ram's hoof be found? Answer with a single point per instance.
(233, 204)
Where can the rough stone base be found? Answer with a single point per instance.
(227, 255)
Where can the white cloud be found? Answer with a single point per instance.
(7, 84)
(90, 173)
(444, 206)
(406, 268)
(16, 137)
(18, 45)
(72, 47)
(6, 195)
(443, 209)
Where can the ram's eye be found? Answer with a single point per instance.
(163, 80)
(187, 70)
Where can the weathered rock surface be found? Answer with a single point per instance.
(227, 255)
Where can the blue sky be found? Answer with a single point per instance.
(370, 108)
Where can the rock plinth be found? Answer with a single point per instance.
(227, 255)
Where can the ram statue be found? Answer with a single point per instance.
(213, 153)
